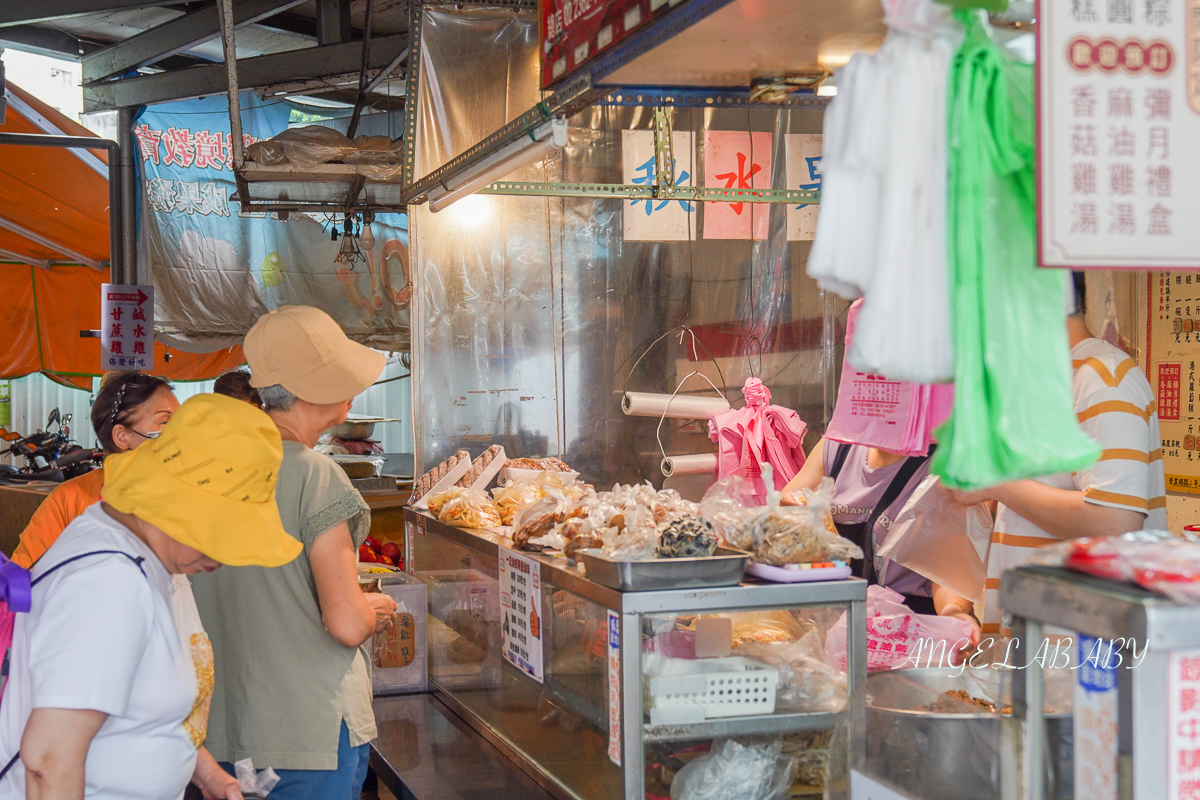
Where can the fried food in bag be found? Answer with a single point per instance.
(512, 499)
(446, 495)
(470, 509)
(687, 536)
(729, 506)
(802, 534)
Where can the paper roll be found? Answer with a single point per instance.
(698, 464)
(682, 406)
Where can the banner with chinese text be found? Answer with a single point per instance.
(1118, 119)
(658, 220)
(216, 272)
(1174, 314)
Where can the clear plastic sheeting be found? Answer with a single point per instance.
(531, 311)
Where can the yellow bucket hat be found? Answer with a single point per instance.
(208, 481)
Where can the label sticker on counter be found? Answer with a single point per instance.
(1096, 719)
(1183, 722)
(521, 607)
(614, 687)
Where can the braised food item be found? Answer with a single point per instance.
(479, 465)
(687, 536)
(427, 481)
(550, 464)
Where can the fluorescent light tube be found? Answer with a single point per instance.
(550, 137)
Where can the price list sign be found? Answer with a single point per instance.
(521, 606)
(1174, 314)
(1118, 119)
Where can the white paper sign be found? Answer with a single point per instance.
(1118, 122)
(126, 327)
(1096, 720)
(1183, 723)
(614, 687)
(657, 220)
(521, 607)
(803, 152)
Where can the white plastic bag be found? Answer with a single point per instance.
(753, 771)
(939, 538)
(899, 638)
(251, 782)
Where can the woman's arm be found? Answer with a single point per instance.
(809, 476)
(212, 781)
(351, 615)
(54, 749)
(949, 603)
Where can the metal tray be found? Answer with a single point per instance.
(665, 573)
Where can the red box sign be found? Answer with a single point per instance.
(573, 32)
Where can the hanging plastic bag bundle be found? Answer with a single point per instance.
(881, 230)
(756, 434)
(1014, 416)
(896, 416)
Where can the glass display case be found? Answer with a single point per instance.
(623, 697)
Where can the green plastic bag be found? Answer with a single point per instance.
(1014, 416)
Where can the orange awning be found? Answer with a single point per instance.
(53, 249)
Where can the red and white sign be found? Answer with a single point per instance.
(614, 687)
(574, 32)
(1183, 724)
(521, 606)
(1118, 119)
(126, 327)
(736, 160)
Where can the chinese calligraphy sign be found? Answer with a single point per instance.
(126, 327)
(1173, 309)
(658, 220)
(736, 160)
(1119, 87)
(803, 172)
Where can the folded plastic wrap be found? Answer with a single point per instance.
(939, 538)
(755, 770)
(314, 144)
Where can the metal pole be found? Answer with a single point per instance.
(128, 199)
(116, 257)
(229, 48)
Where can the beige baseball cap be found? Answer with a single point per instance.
(305, 351)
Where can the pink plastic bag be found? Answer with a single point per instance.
(898, 638)
(760, 432)
(892, 415)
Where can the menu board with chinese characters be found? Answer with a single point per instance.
(521, 606)
(1118, 119)
(127, 327)
(1174, 314)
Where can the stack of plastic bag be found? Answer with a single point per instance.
(760, 432)
(896, 416)
(1014, 415)
(898, 638)
(881, 232)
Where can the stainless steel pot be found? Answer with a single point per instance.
(949, 756)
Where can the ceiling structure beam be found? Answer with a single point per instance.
(312, 63)
(293, 25)
(333, 22)
(46, 42)
(176, 36)
(19, 12)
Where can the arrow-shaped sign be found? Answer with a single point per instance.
(124, 297)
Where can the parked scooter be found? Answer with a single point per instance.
(50, 455)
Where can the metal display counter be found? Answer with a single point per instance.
(1157, 628)
(558, 730)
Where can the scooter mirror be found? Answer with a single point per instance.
(53, 418)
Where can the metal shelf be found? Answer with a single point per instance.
(762, 725)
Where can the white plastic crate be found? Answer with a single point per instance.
(679, 691)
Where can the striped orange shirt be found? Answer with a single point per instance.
(1115, 406)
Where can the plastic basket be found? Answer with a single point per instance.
(679, 691)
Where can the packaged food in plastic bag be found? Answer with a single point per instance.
(728, 505)
(314, 144)
(1154, 560)
(469, 509)
(638, 541)
(807, 679)
(801, 534)
(1008, 314)
(939, 538)
(763, 627)
(753, 770)
(536, 519)
(687, 536)
(512, 498)
(439, 499)
(269, 154)
(897, 637)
